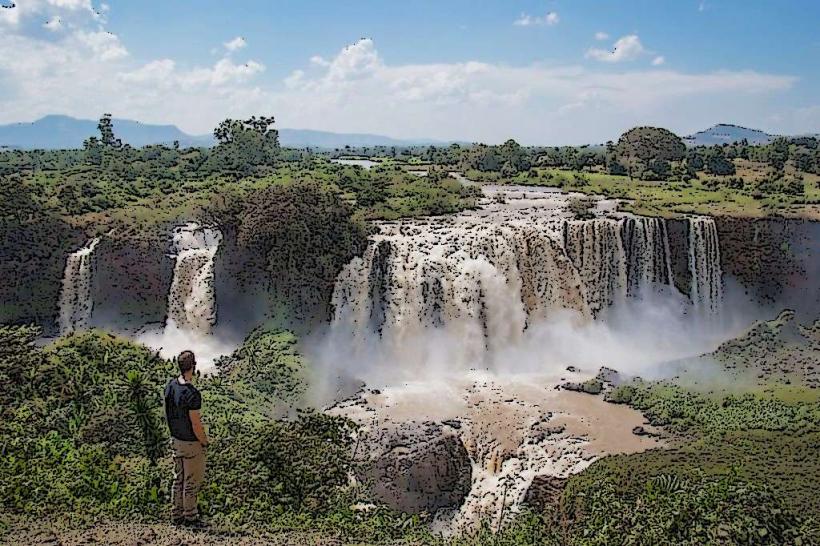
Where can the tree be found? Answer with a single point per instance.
(660, 168)
(718, 164)
(638, 146)
(777, 153)
(106, 128)
(244, 145)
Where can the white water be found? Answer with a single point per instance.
(192, 300)
(518, 286)
(192, 309)
(76, 303)
(704, 265)
(487, 276)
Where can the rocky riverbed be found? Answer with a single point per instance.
(469, 448)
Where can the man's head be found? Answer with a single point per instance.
(186, 362)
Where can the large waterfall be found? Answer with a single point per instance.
(478, 280)
(704, 265)
(76, 304)
(486, 276)
(618, 257)
(191, 300)
(515, 298)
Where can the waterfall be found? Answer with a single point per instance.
(706, 289)
(486, 276)
(597, 250)
(75, 303)
(646, 245)
(192, 300)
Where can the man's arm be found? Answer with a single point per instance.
(199, 430)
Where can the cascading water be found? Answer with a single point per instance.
(597, 250)
(192, 300)
(192, 310)
(76, 303)
(492, 289)
(486, 276)
(473, 278)
(706, 289)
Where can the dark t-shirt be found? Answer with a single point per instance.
(179, 400)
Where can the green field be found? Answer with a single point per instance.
(669, 199)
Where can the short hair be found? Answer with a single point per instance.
(186, 361)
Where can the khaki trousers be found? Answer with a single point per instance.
(189, 471)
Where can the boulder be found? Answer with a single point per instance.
(544, 491)
(416, 467)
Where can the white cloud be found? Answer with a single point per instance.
(484, 101)
(626, 48)
(54, 24)
(357, 90)
(153, 72)
(601, 36)
(13, 13)
(105, 45)
(525, 20)
(659, 60)
(72, 4)
(235, 44)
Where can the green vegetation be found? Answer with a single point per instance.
(744, 473)
(82, 436)
(652, 168)
(273, 198)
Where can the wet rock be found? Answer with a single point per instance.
(456, 424)
(609, 376)
(572, 369)
(416, 467)
(591, 386)
(544, 491)
(642, 431)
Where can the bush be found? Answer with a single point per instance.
(671, 510)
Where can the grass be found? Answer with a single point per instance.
(670, 199)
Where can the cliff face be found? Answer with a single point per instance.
(775, 260)
(133, 276)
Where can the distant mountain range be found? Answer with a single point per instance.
(65, 132)
(725, 133)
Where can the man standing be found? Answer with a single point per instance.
(188, 440)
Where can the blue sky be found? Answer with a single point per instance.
(546, 72)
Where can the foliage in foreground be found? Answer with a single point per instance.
(82, 436)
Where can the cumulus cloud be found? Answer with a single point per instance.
(84, 70)
(626, 48)
(659, 60)
(601, 36)
(525, 20)
(235, 44)
(357, 90)
(103, 44)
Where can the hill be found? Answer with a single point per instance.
(65, 132)
(728, 134)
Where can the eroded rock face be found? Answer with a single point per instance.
(544, 491)
(415, 467)
(776, 260)
(467, 448)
